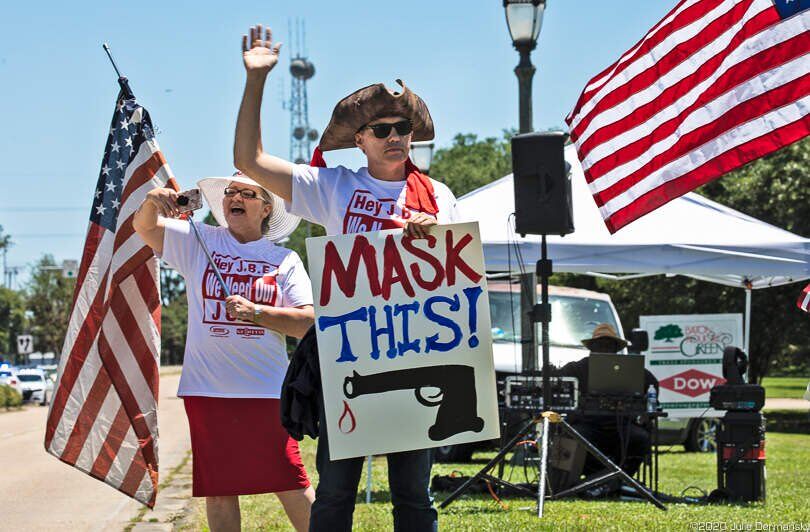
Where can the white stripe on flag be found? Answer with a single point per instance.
(806, 302)
(754, 45)
(649, 59)
(704, 115)
(596, 83)
(717, 146)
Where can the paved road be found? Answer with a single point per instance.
(38, 492)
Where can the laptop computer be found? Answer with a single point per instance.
(616, 374)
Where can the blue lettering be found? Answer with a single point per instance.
(472, 296)
(375, 332)
(432, 342)
(324, 322)
(406, 345)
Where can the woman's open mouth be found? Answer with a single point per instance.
(237, 211)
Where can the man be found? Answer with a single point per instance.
(619, 437)
(389, 193)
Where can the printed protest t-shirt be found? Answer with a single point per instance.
(344, 201)
(225, 357)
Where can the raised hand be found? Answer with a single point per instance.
(259, 55)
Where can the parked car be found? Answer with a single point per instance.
(575, 314)
(8, 376)
(36, 386)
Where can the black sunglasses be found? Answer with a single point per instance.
(381, 131)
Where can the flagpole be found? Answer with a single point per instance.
(123, 82)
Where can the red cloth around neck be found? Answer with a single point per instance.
(418, 192)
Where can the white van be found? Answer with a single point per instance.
(574, 315)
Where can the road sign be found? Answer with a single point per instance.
(70, 269)
(25, 344)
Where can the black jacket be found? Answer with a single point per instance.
(301, 395)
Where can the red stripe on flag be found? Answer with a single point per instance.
(648, 42)
(128, 400)
(734, 117)
(758, 63)
(143, 174)
(87, 416)
(134, 475)
(94, 235)
(75, 361)
(137, 343)
(718, 166)
(112, 444)
(675, 58)
(804, 299)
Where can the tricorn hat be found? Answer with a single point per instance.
(369, 103)
(604, 330)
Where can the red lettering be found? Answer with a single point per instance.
(392, 263)
(408, 243)
(454, 260)
(347, 277)
(359, 201)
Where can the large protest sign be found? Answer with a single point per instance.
(404, 339)
(686, 356)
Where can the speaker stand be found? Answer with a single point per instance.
(542, 313)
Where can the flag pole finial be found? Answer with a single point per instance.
(122, 80)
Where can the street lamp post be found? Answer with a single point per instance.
(422, 155)
(524, 19)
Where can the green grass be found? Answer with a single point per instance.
(784, 387)
(788, 487)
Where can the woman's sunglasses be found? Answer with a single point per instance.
(381, 131)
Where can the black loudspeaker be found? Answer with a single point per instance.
(542, 185)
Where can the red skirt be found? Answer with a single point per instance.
(239, 447)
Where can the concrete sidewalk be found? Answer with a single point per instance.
(787, 404)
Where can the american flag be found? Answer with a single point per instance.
(103, 418)
(714, 85)
(804, 299)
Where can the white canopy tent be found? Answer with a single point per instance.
(690, 236)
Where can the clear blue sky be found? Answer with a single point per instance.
(183, 59)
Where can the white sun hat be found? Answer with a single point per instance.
(281, 223)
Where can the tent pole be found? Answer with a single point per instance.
(747, 337)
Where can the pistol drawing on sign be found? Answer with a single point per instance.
(456, 399)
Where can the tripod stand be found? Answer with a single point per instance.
(542, 313)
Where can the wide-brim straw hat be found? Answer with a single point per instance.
(281, 223)
(604, 330)
(370, 103)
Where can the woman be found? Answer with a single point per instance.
(235, 355)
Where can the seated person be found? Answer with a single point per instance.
(619, 437)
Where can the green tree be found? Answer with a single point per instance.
(49, 298)
(173, 329)
(297, 240)
(668, 332)
(12, 320)
(470, 163)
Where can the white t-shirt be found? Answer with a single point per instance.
(345, 201)
(225, 357)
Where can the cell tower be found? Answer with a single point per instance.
(302, 69)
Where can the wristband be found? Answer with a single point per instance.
(257, 311)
